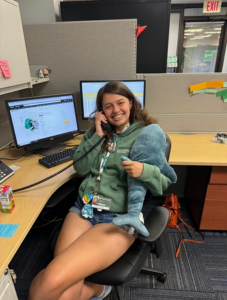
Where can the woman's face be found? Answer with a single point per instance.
(117, 110)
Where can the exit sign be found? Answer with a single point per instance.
(211, 6)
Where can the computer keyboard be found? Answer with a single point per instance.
(55, 159)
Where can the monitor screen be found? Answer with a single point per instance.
(41, 122)
(89, 90)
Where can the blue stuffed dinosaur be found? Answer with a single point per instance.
(149, 147)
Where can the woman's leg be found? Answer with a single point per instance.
(93, 251)
(72, 228)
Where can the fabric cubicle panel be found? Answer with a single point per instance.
(169, 99)
(6, 135)
(86, 50)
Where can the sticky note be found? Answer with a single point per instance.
(8, 230)
(225, 84)
(5, 68)
(206, 85)
(199, 86)
(215, 84)
(220, 93)
(205, 91)
(224, 96)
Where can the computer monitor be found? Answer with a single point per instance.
(89, 90)
(41, 122)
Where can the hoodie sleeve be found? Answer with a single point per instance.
(154, 180)
(90, 138)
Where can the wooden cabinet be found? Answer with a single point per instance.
(206, 192)
(214, 215)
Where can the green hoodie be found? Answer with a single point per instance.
(111, 186)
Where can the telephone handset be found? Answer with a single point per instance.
(106, 126)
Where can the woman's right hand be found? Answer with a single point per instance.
(99, 117)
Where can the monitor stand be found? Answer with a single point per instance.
(51, 150)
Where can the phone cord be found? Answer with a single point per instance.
(62, 170)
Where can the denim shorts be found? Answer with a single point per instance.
(100, 216)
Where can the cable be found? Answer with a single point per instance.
(62, 170)
(48, 221)
(16, 157)
(9, 146)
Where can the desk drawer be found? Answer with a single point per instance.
(214, 215)
(216, 192)
(218, 175)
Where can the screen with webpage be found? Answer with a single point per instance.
(41, 118)
(89, 90)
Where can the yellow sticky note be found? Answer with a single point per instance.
(199, 86)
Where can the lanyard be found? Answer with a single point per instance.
(104, 160)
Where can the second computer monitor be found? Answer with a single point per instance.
(89, 90)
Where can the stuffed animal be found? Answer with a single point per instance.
(149, 147)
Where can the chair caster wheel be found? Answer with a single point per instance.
(162, 278)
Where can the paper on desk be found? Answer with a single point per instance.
(8, 230)
(14, 168)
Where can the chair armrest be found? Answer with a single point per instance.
(155, 222)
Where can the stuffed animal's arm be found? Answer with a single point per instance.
(124, 174)
(154, 180)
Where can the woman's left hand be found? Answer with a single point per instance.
(133, 168)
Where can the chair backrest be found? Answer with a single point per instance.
(168, 147)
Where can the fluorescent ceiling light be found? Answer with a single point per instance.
(211, 32)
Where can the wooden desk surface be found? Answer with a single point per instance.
(186, 150)
(29, 203)
(197, 150)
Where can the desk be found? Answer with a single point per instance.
(206, 180)
(190, 150)
(197, 150)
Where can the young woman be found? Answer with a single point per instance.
(88, 245)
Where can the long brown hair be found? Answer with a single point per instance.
(136, 112)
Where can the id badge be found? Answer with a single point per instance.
(100, 202)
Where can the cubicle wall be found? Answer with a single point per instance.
(5, 132)
(74, 51)
(168, 98)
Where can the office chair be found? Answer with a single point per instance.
(130, 264)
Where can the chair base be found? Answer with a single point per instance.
(119, 293)
(159, 275)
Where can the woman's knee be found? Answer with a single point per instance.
(52, 283)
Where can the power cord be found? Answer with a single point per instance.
(62, 170)
(48, 221)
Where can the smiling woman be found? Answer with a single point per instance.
(117, 110)
(119, 106)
